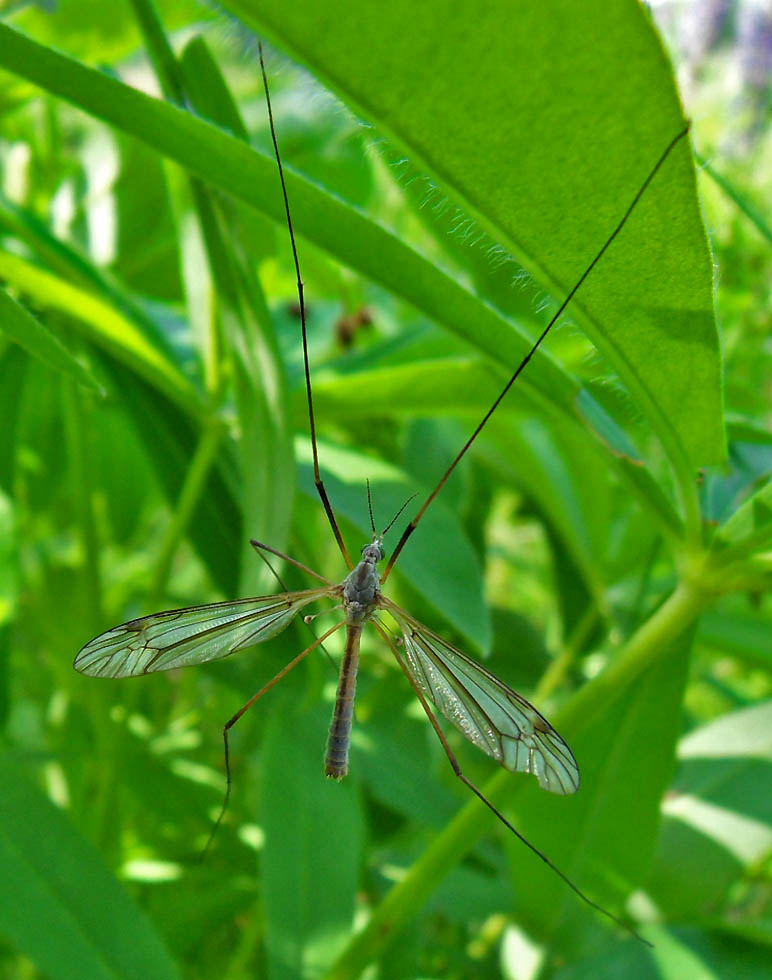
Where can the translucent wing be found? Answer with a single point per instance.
(194, 635)
(491, 715)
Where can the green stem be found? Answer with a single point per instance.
(160, 51)
(750, 545)
(251, 935)
(405, 899)
(687, 488)
(748, 209)
(557, 670)
(192, 488)
(83, 493)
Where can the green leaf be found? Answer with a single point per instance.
(694, 954)
(742, 635)
(27, 331)
(59, 904)
(103, 325)
(749, 529)
(250, 176)
(392, 752)
(208, 90)
(64, 259)
(507, 149)
(719, 815)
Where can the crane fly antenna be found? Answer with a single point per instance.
(631, 207)
(370, 509)
(311, 422)
(393, 521)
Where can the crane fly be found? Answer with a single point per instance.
(486, 711)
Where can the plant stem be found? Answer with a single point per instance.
(554, 674)
(204, 456)
(83, 494)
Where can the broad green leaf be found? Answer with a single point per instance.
(58, 903)
(27, 331)
(614, 960)
(547, 168)
(719, 816)
(742, 734)
(433, 386)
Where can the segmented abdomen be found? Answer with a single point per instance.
(336, 757)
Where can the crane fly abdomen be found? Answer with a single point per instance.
(339, 739)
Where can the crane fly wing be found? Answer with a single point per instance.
(487, 712)
(195, 635)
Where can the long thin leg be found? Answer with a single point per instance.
(414, 523)
(232, 721)
(271, 569)
(259, 546)
(500, 816)
(311, 423)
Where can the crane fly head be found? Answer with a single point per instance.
(373, 552)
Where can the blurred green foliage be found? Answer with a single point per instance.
(154, 419)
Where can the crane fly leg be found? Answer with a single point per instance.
(260, 547)
(242, 710)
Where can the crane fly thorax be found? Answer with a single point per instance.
(361, 586)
